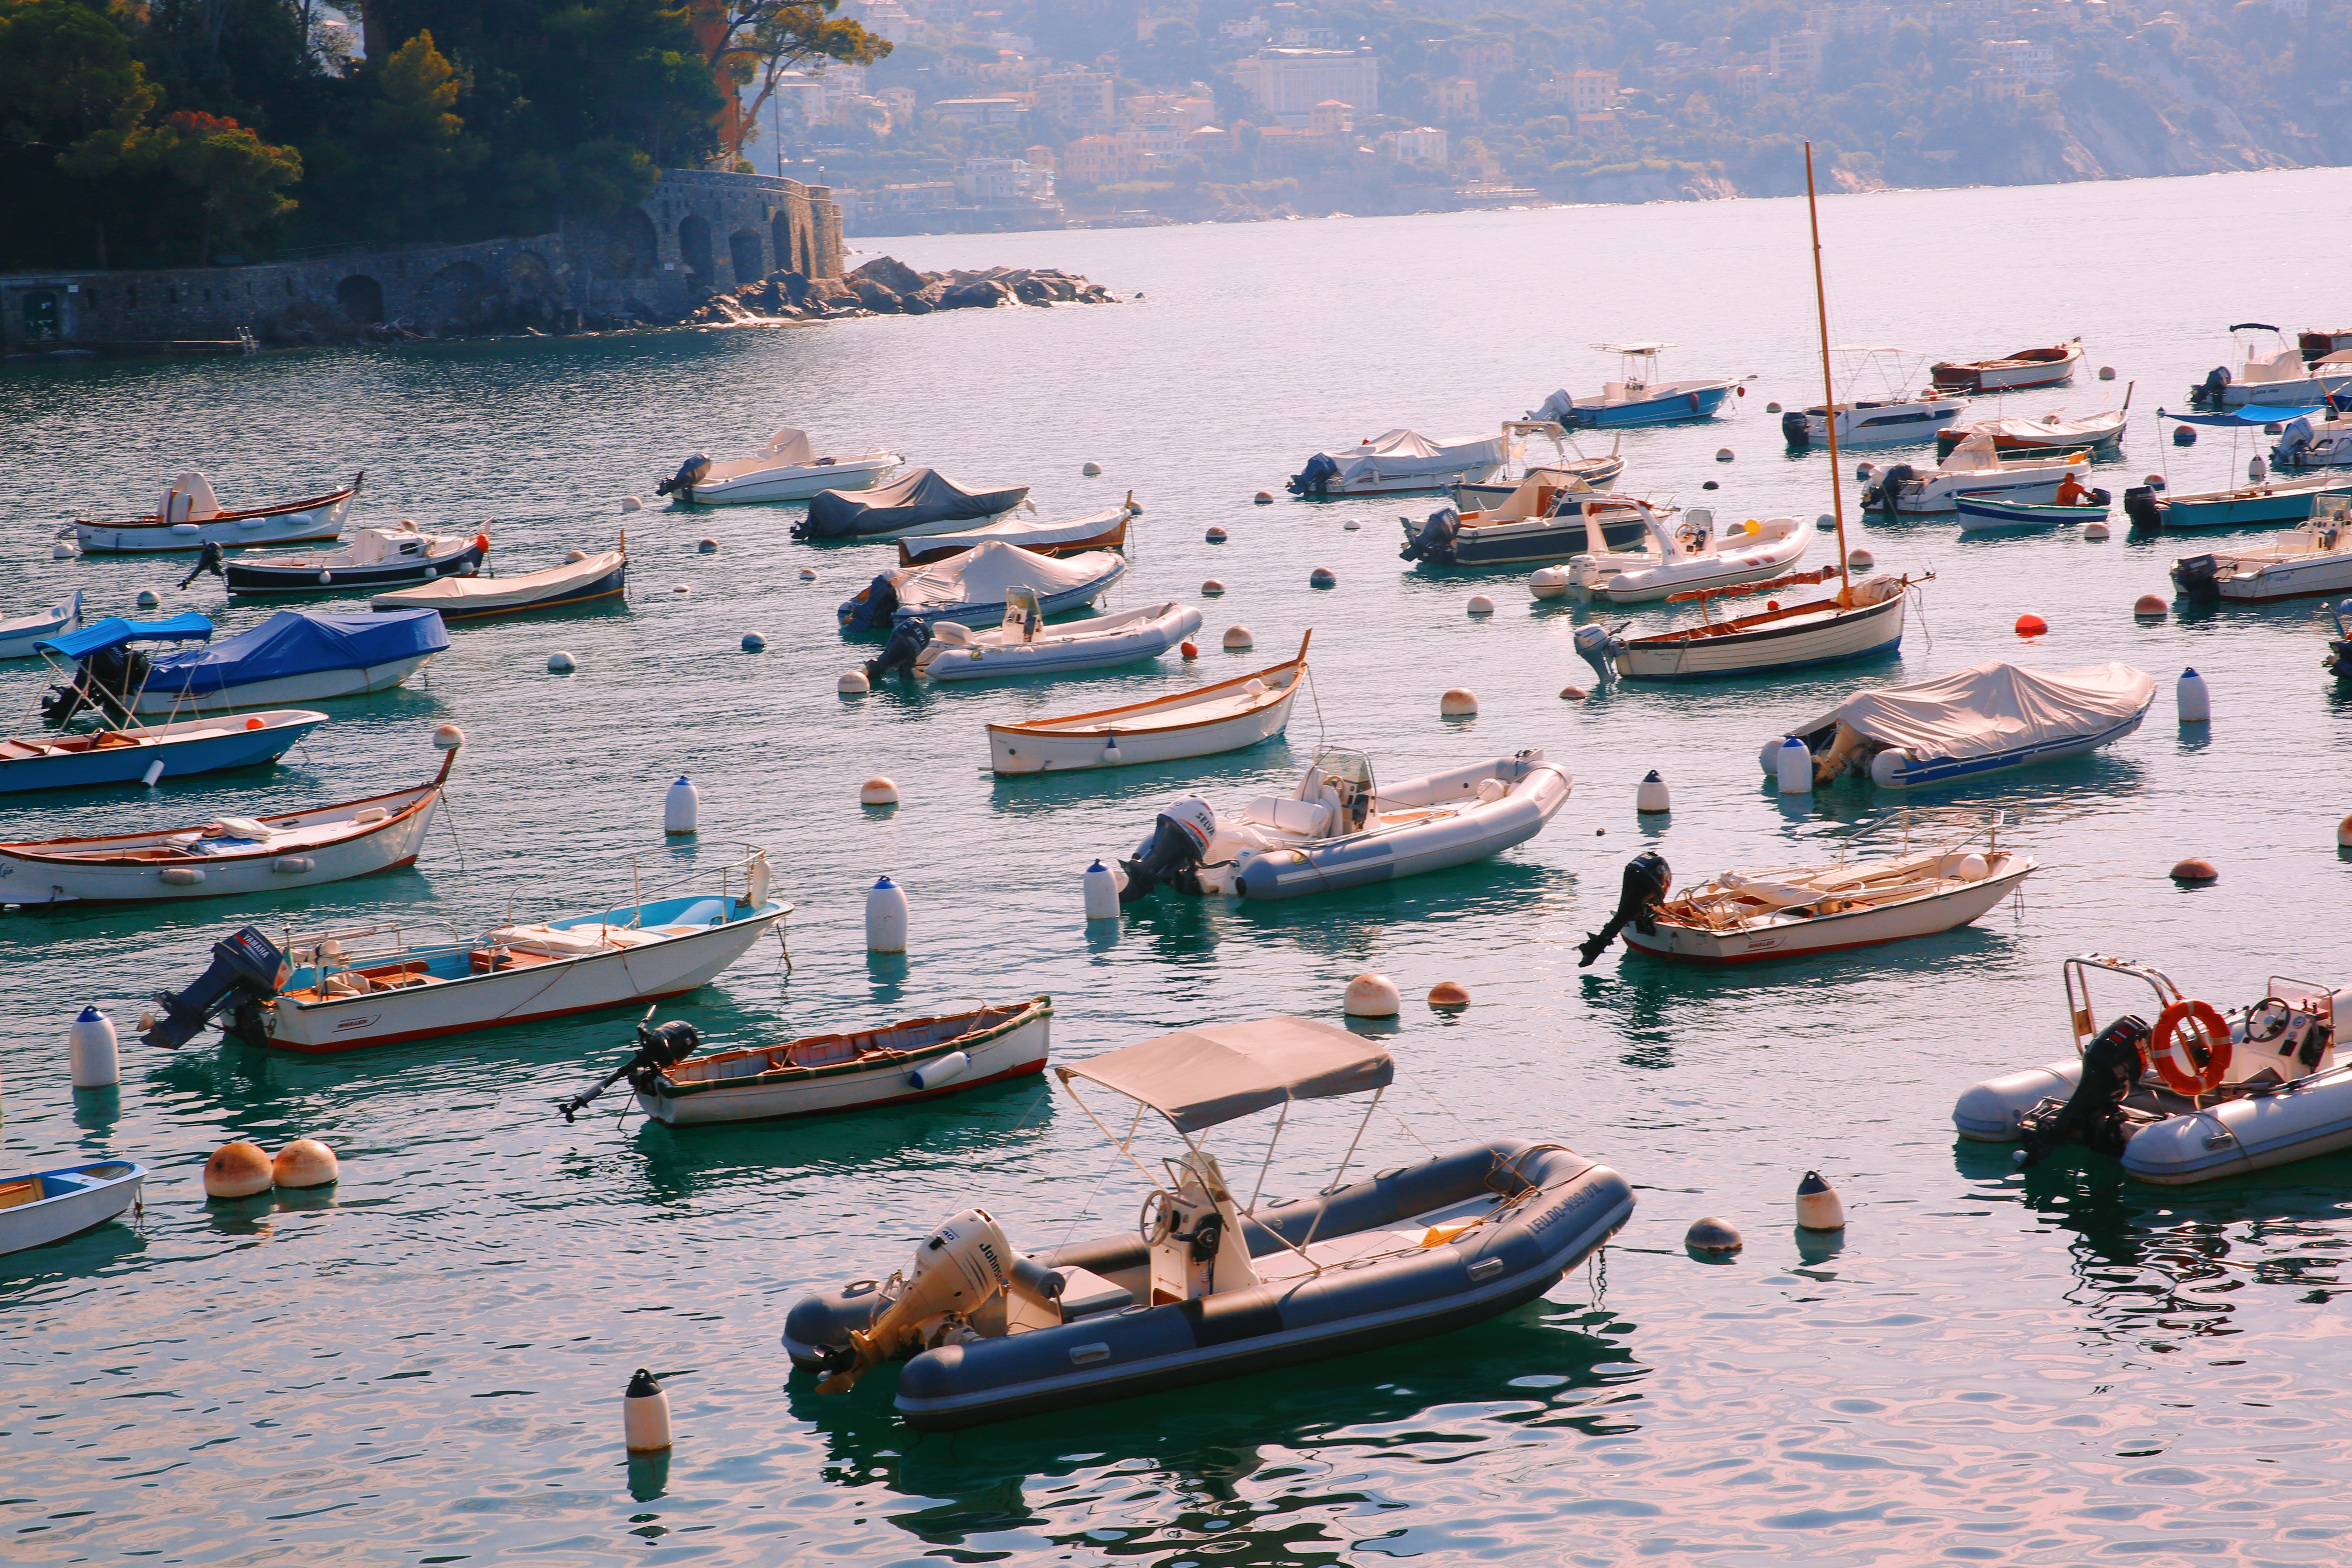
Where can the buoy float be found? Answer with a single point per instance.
(1712, 1235)
(808, 574)
(1710, 485)
(644, 1414)
(1212, 589)
(1651, 795)
(306, 1162)
(447, 737)
(2107, 373)
(256, 724)
(886, 917)
(2150, 607)
(2196, 703)
(1458, 702)
(633, 503)
(1480, 605)
(1091, 469)
(754, 643)
(877, 791)
(1819, 1207)
(149, 598)
(1722, 454)
(61, 551)
(706, 547)
(560, 663)
(92, 1050)
(2030, 625)
(2344, 834)
(2195, 873)
(1263, 497)
(154, 771)
(1861, 560)
(1216, 536)
(238, 1170)
(1351, 525)
(680, 807)
(1322, 577)
(2094, 529)
(1771, 409)
(2184, 434)
(1794, 763)
(1371, 997)
(1100, 887)
(853, 683)
(1449, 996)
(1238, 639)
(1188, 648)
(1571, 694)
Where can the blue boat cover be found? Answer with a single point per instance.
(114, 630)
(298, 642)
(2254, 414)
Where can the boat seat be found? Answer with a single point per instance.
(13, 748)
(569, 942)
(1085, 1293)
(1304, 818)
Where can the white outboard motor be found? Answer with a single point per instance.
(1173, 854)
(962, 1266)
(1600, 647)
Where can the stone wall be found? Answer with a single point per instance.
(697, 233)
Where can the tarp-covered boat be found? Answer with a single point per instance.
(1977, 720)
(21, 636)
(2052, 434)
(191, 517)
(1104, 529)
(921, 502)
(1397, 462)
(602, 576)
(974, 588)
(295, 656)
(787, 468)
(1210, 1284)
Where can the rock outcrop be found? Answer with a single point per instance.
(888, 286)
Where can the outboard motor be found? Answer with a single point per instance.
(1559, 409)
(2210, 389)
(1173, 854)
(1315, 478)
(208, 559)
(1887, 488)
(246, 971)
(2094, 1116)
(1647, 877)
(2339, 652)
(2199, 576)
(1795, 429)
(664, 1046)
(1599, 648)
(107, 681)
(2139, 505)
(1434, 542)
(689, 474)
(874, 611)
(907, 640)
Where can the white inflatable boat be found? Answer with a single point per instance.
(1339, 829)
(1691, 555)
(2197, 1096)
(1024, 646)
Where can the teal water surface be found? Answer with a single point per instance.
(426, 1363)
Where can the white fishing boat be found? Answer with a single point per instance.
(191, 517)
(896, 1064)
(604, 575)
(1104, 529)
(2301, 564)
(787, 468)
(2053, 435)
(1023, 644)
(1341, 829)
(1199, 722)
(1638, 396)
(2011, 373)
(1975, 468)
(1400, 462)
(2197, 1096)
(51, 1205)
(1983, 720)
(21, 636)
(1896, 409)
(379, 986)
(1691, 555)
(2273, 374)
(232, 856)
(2303, 445)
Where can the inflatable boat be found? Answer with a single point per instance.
(1340, 829)
(1024, 645)
(2197, 1096)
(1210, 1285)
(1691, 556)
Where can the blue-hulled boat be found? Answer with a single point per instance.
(1637, 397)
(146, 753)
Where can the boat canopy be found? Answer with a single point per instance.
(1221, 1072)
(114, 631)
(987, 572)
(926, 495)
(1992, 708)
(2254, 414)
(296, 642)
(1643, 349)
(1396, 456)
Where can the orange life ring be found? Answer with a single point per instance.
(2180, 1071)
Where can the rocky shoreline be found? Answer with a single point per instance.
(888, 287)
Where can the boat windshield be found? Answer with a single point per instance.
(1348, 774)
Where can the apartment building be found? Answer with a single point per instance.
(1455, 99)
(1425, 145)
(1081, 100)
(1287, 84)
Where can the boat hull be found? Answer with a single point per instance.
(30, 878)
(259, 581)
(76, 1198)
(1675, 403)
(1829, 933)
(1016, 1051)
(1987, 514)
(190, 747)
(1887, 425)
(1067, 601)
(1877, 629)
(296, 524)
(1066, 654)
(493, 601)
(312, 686)
(1922, 773)
(1021, 752)
(2011, 374)
(2254, 507)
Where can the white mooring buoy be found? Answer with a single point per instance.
(560, 663)
(96, 1062)
(680, 807)
(644, 1414)
(1796, 767)
(1101, 885)
(886, 917)
(2196, 702)
(305, 1162)
(1651, 795)
(1819, 1207)
(1371, 997)
(877, 791)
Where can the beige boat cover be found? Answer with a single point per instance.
(1991, 708)
(1200, 1078)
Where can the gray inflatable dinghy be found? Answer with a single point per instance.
(1208, 1286)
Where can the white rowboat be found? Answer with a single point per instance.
(602, 576)
(1199, 723)
(51, 1206)
(1743, 916)
(191, 517)
(21, 637)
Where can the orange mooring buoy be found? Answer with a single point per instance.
(2030, 625)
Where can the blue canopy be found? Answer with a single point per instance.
(2254, 414)
(299, 642)
(115, 630)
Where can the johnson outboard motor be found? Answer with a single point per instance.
(1434, 542)
(1647, 877)
(246, 971)
(208, 559)
(2199, 576)
(1315, 478)
(2139, 505)
(689, 474)
(664, 1046)
(907, 640)
(2094, 1116)
(1796, 429)
(874, 611)
(107, 681)
(1599, 648)
(1180, 841)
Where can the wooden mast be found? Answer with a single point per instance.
(1829, 390)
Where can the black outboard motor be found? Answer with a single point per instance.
(1647, 877)
(664, 1045)
(1434, 542)
(1315, 478)
(2210, 390)
(2139, 505)
(1882, 494)
(246, 971)
(1173, 853)
(1795, 430)
(2199, 576)
(689, 474)
(107, 681)
(907, 640)
(208, 559)
(875, 610)
(2094, 1116)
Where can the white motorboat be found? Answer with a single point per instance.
(1691, 555)
(2011, 373)
(1896, 409)
(592, 578)
(51, 1205)
(2303, 445)
(977, 587)
(380, 986)
(2199, 1096)
(1024, 645)
(1551, 515)
(1981, 720)
(1567, 465)
(896, 1064)
(1199, 722)
(2301, 564)
(2273, 374)
(232, 856)
(2053, 435)
(375, 558)
(191, 517)
(1104, 529)
(1341, 829)
(786, 468)
(1975, 468)
(1399, 462)
(1637, 397)
(21, 636)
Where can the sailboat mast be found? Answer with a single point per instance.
(1829, 390)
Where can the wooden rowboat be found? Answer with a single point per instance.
(2026, 367)
(191, 517)
(1199, 723)
(604, 575)
(51, 1205)
(1992, 514)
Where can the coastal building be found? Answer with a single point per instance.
(1331, 120)
(978, 111)
(1455, 99)
(1796, 58)
(1483, 60)
(1004, 181)
(1083, 101)
(1288, 83)
(2030, 59)
(1424, 145)
(1591, 91)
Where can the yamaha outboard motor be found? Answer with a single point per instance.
(1795, 429)
(1315, 478)
(1434, 542)
(2094, 1116)
(246, 971)
(1647, 877)
(2199, 576)
(689, 474)
(2139, 505)
(907, 640)
(107, 681)
(209, 559)
(1179, 842)
(664, 1045)
(875, 610)
(1599, 648)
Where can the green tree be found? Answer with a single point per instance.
(73, 103)
(237, 175)
(417, 148)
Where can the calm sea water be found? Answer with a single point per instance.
(428, 1364)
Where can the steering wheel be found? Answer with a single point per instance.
(1158, 1216)
(2267, 1020)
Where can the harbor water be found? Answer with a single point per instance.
(426, 1364)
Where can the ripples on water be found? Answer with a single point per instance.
(426, 1364)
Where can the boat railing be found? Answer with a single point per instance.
(1972, 825)
(2078, 969)
(731, 876)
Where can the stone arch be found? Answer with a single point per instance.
(632, 248)
(743, 249)
(694, 248)
(361, 298)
